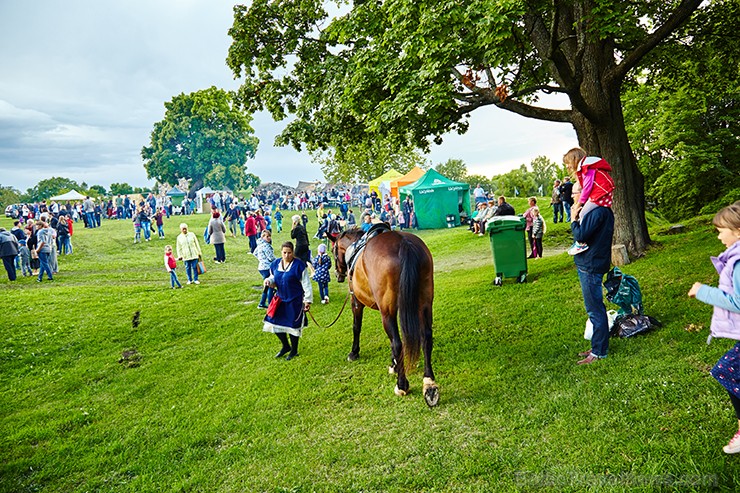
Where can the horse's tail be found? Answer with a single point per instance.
(410, 255)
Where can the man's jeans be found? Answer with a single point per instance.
(90, 219)
(567, 207)
(267, 293)
(44, 259)
(147, 229)
(593, 299)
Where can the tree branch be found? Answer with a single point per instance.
(678, 17)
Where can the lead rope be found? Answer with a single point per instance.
(335, 320)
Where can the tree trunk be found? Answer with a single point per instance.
(607, 138)
(194, 187)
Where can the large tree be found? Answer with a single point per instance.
(408, 71)
(204, 138)
(683, 117)
(50, 187)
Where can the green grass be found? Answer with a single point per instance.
(209, 409)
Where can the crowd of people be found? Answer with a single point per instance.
(41, 232)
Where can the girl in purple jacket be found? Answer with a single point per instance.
(726, 302)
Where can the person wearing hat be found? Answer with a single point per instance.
(299, 234)
(322, 264)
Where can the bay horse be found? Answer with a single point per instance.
(393, 273)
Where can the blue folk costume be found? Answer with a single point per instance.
(294, 289)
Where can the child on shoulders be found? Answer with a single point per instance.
(597, 187)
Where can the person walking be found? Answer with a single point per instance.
(299, 234)
(217, 233)
(188, 250)
(556, 203)
(289, 275)
(726, 302)
(44, 243)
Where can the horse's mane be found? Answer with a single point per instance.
(353, 233)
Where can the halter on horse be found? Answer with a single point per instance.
(393, 273)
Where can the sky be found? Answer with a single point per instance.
(82, 83)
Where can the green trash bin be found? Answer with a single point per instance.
(509, 247)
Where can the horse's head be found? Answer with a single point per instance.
(343, 241)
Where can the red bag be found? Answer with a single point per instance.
(273, 306)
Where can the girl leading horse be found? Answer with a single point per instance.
(392, 272)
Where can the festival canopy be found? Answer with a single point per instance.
(71, 195)
(435, 197)
(387, 176)
(175, 192)
(406, 179)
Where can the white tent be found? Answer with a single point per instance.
(71, 195)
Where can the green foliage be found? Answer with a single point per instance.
(97, 190)
(364, 161)
(51, 187)
(454, 169)
(208, 408)
(121, 189)
(517, 182)
(684, 119)
(204, 138)
(8, 196)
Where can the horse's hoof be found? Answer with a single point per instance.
(352, 357)
(431, 392)
(399, 392)
(391, 370)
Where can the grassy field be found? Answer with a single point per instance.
(208, 408)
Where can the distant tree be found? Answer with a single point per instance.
(252, 181)
(121, 189)
(485, 183)
(544, 172)
(8, 196)
(518, 182)
(364, 161)
(205, 138)
(51, 187)
(97, 190)
(454, 169)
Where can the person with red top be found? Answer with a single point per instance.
(596, 183)
(250, 231)
(171, 265)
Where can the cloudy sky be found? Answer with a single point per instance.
(82, 83)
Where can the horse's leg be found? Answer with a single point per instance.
(357, 309)
(430, 388)
(390, 324)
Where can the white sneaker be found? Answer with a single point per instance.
(577, 248)
(326, 299)
(734, 446)
(196, 282)
(190, 282)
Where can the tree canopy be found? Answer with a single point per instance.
(683, 117)
(408, 71)
(205, 138)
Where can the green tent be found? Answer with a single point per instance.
(435, 198)
(176, 196)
